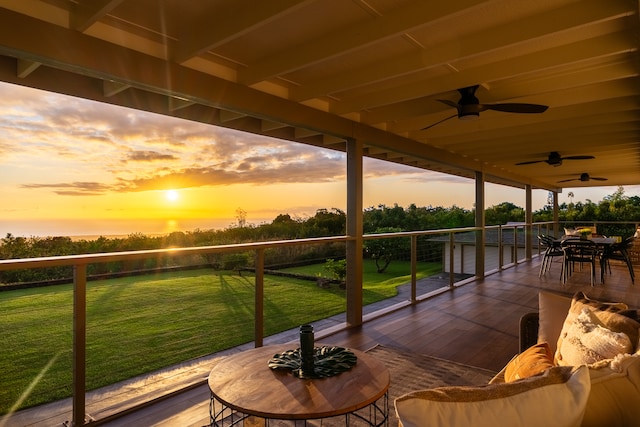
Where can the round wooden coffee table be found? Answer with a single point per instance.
(244, 387)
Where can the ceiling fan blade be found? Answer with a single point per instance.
(567, 180)
(578, 158)
(449, 103)
(516, 108)
(598, 179)
(530, 162)
(438, 122)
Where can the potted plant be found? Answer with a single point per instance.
(585, 233)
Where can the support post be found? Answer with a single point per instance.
(414, 268)
(528, 213)
(354, 230)
(480, 234)
(259, 299)
(556, 215)
(79, 343)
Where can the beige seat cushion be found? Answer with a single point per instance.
(553, 309)
(556, 398)
(614, 400)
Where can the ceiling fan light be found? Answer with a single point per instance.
(468, 116)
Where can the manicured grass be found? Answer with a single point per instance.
(140, 324)
(378, 286)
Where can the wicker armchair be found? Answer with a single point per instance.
(528, 330)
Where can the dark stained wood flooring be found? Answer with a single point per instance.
(476, 324)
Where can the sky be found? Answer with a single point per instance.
(73, 167)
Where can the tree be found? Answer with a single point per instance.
(550, 199)
(383, 250)
(503, 213)
(338, 269)
(241, 216)
(326, 223)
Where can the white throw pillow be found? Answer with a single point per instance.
(581, 341)
(556, 398)
(586, 341)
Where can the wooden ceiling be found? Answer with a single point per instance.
(321, 71)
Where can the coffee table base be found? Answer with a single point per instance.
(375, 414)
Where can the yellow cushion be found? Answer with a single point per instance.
(532, 361)
(556, 398)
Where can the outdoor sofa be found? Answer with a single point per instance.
(579, 365)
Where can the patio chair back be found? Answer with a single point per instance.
(618, 252)
(552, 249)
(578, 251)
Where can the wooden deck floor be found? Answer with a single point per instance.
(476, 324)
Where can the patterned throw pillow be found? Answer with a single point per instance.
(595, 331)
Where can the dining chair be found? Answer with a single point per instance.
(578, 251)
(552, 249)
(618, 252)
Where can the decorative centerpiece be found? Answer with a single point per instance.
(313, 362)
(585, 233)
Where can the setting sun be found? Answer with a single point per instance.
(171, 195)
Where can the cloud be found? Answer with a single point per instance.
(149, 156)
(73, 189)
(89, 148)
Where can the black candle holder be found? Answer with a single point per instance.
(307, 350)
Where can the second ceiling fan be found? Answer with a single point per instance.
(555, 159)
(584, 177)
(469, 107)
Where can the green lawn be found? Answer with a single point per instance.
(378, 286)
(140, 324)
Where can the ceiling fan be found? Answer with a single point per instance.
(555, 159)
(469, 107)
(584, 177)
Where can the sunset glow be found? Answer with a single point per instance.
(76, 167)
(172, 195)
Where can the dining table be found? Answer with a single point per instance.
(601, 243)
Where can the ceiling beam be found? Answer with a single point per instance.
(242, 18)
(176, 104)
(415, 14)
(574, 54)
(26, 67)
(453, 51)
(85, 13)
(159, 79)
(110, 88)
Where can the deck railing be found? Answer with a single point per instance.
(454, 249)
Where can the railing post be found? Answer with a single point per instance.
(79, 343)
(414, 267)
(452, 252)
(259, 302)
(514, 255)
(500, 249)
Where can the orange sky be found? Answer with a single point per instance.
(71, 166)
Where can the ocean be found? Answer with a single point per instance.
(93, 228)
